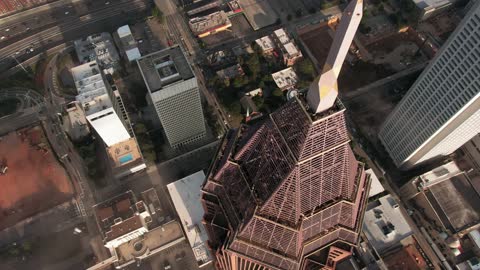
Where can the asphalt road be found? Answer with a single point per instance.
(180, 33)
(61, 24)
(32, 105)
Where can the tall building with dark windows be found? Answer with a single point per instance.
(441, 111)
(286, 192)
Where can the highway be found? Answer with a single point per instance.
(20, 47)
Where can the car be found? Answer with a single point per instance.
(2, 38)
(107, 3)
(167, 265)
(17, 52)
(8, 29)
(67, 12)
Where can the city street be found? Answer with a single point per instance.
(72, 162)
(19, 46)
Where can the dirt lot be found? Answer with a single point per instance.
(34, 182)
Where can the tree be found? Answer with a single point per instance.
(298, 13)
(139, 128)
(381, 8)
(258, 100)
(277, 92)
(253, 64)
(239, 82)
(158, 14)
(306, 69)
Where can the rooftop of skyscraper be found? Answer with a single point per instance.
(165, 67)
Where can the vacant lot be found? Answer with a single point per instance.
(34, 181)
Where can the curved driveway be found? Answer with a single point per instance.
(32, 104)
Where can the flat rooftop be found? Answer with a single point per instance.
(281, 36)
(91, 88)
(185, 194)
(440, 173)
(384, 225)
(119, 207)
(128, 43)
(34, 181)
(98, 47)
(108, 126)
(432, 4)
(266, 43)
(285, 78)
(375, 186)
(156, 240)
(207, 23)
(163, 68)
(124, 152)
(291, 49)
(231, 72)
(456, 202)
(407, 257)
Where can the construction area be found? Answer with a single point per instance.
(31, 178)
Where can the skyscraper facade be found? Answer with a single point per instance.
(173, 91)
(286, 192)
(441, 111)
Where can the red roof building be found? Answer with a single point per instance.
(286, 192)
(283, 190)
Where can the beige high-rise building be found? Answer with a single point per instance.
(173, 91)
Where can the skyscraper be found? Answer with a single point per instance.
(173, 91)
(287, 192)
(441, 111)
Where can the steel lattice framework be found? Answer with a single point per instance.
(284, 189)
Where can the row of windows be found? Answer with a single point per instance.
(447, 61)
(449, 54)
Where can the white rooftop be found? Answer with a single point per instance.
(282, 36)
(291, 49)
(376, 225)
(440, 173)
(124, 31)
(133, 54)
(285, 78)
(255, 92)
(375, 186)
(91, 88)
(432, 4)
(185, 194)
(108, 126)
(266, 43)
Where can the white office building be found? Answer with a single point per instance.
(441, 111)
(173, 91)
(108, 119)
